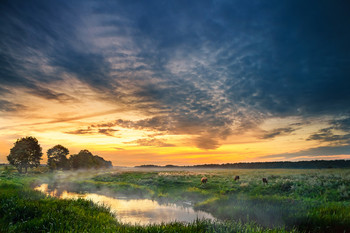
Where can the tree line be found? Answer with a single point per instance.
(314, 164)
(27, 153)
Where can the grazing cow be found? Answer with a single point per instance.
(236, 178)
(204, 180)
(264, 180)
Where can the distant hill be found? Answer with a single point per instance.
(314, 164)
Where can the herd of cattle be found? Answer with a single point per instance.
(205, 179)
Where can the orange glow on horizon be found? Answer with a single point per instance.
(75, 127)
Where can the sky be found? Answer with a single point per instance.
(177, 82)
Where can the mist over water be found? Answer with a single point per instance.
(152, 196)
(134, 211)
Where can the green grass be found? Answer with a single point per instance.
(25, 210)
(294, 200)
(310, 200)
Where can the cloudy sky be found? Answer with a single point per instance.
(177, 82)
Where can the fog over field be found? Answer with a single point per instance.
(175, 199)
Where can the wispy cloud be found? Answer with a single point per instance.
(91, 130)
(151, 142)
(313, 153)
(108, 132)
(277, 132)
(206, 143)
(6, 106)
(81, 131)
(66, 119)
(328, 134)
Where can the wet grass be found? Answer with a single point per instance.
(309, 200)
(25, 210)
(293, 200)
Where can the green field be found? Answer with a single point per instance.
(293, 200)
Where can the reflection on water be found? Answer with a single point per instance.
(135, 211)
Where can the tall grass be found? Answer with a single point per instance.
(25, 210)
(293, 200)
(310, 200)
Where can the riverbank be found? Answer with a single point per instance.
(23, 209)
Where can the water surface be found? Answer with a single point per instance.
(135, 211)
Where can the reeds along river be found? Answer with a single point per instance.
(134, 211)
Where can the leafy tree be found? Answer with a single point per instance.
(100, 162)
(25, 153)
(81, 160)
(85, 160)
(57, 157)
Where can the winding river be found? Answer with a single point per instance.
(135, 211)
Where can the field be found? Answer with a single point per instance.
(292, 201)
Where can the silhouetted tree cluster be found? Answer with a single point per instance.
(26, 153)
(57, 158)
(85, 160)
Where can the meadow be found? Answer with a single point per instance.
(294, 200)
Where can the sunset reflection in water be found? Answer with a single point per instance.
(135, 211)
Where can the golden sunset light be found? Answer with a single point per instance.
(124, 86)
(166, 116)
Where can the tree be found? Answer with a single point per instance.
(25, 153)
(57, 157)
(84, 159)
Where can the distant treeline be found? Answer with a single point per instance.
(314, 164)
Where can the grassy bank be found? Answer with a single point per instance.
(25, 210)
(309, 200)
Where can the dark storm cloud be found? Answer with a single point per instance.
(314, 152)
(214, 68)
